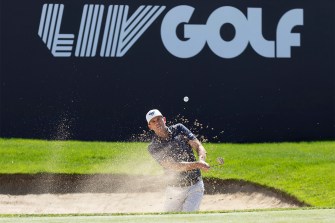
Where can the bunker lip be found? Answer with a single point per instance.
(52, 183)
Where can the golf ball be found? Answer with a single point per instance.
(186, 99)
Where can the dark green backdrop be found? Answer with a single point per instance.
(245, 99)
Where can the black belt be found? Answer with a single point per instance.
(186, 182)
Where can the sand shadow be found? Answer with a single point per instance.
(45, 183)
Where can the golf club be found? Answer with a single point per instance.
(220, 162)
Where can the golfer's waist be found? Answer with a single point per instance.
(185, 182)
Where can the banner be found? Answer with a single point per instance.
(231, 71)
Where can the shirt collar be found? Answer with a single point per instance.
(159, 139)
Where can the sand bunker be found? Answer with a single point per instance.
(123, 194)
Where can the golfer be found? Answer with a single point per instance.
(172, 147)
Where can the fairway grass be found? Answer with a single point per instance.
(304, 170)
(296, 216)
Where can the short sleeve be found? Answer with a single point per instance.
(185, 131)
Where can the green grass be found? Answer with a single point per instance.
(296, 216)
(304, 170)
(40, 156)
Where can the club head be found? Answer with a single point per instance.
(220, 160)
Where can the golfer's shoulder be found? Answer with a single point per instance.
(178, 127)
(181, 129)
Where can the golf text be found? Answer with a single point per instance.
(121, 31)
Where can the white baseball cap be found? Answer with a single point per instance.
(152, 114)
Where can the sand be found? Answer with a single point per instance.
(61, 194)
(127, 202)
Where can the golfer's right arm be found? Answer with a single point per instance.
(184, 166)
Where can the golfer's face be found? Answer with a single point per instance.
(157, 123)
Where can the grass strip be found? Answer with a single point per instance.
(304, 170)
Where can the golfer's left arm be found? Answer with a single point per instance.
(198, 147)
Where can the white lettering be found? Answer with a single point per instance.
(222, 48)
(286, 39)
(121, 33)
(194, 33)
(247, 30)
(262, 46)
(49, 30)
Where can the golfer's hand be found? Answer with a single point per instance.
(203, 165)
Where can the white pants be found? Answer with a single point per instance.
(184, 198)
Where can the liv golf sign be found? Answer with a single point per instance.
(121, 31)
